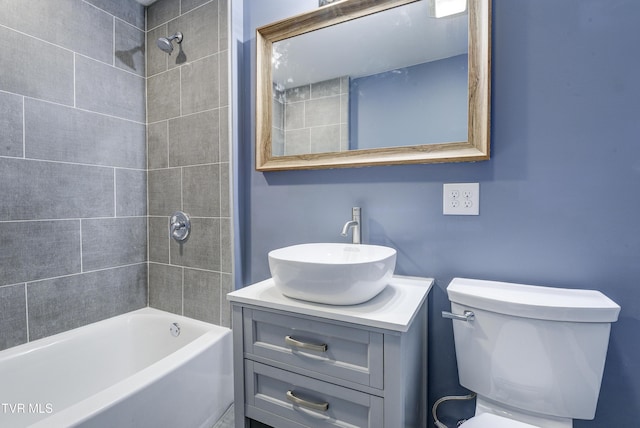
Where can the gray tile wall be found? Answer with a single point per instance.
(314, 118)
(188, 158)
(73, 239)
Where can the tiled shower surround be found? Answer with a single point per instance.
(72, 166)
(188, 138)
(74, 241)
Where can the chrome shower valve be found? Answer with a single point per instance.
(179, 226)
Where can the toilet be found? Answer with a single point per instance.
(533, 355)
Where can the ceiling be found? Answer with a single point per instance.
(389, 40)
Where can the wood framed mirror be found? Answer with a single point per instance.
(324, 100)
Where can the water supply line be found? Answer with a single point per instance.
(434, 409)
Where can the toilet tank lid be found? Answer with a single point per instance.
(546, 303)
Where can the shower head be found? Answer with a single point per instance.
(165, 43)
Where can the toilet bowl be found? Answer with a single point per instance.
(533, 355)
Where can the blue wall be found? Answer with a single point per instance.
(421, 104)
(559, 197)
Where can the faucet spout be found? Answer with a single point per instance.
(347, 225)
(355, 224)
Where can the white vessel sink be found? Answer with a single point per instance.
(335, 274)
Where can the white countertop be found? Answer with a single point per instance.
(393, 309)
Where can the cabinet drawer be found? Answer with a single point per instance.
(267, 388)
(347, 353)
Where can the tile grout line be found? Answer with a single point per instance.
(56, 103)
(106, 217)
(146, 128)
(113, 40)
(220, 139)
(69, 275)
(73, 163)
(26, 308)
(24, 131)
(70, 50)
(81, 256)
(74, 81)
(115, 194)
(166, 140)
(182, 300)
(180, 86)
(167, 70)
(221, 294)
(114, 16)
(178, 16)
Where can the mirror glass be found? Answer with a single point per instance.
(394, 78)
(361, 83)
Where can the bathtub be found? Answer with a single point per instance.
(127, 371)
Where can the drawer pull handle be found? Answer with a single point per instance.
(304, 345)
(323, 407)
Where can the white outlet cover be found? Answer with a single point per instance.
(461, 199)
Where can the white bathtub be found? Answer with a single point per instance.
(127, 371)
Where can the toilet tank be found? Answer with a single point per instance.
(537, 349)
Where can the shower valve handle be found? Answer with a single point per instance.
(179, 226)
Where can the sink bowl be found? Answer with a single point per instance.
(334, 274)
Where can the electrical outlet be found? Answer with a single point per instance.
(461, 199)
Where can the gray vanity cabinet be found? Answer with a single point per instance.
(294, 370)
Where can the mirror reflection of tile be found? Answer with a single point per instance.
(311, 118)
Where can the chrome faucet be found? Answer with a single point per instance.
(355, 224)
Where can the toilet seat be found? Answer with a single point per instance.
(488, 420)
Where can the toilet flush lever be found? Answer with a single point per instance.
(467, 316)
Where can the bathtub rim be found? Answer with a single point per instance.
(84, 409)
(34, 345)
